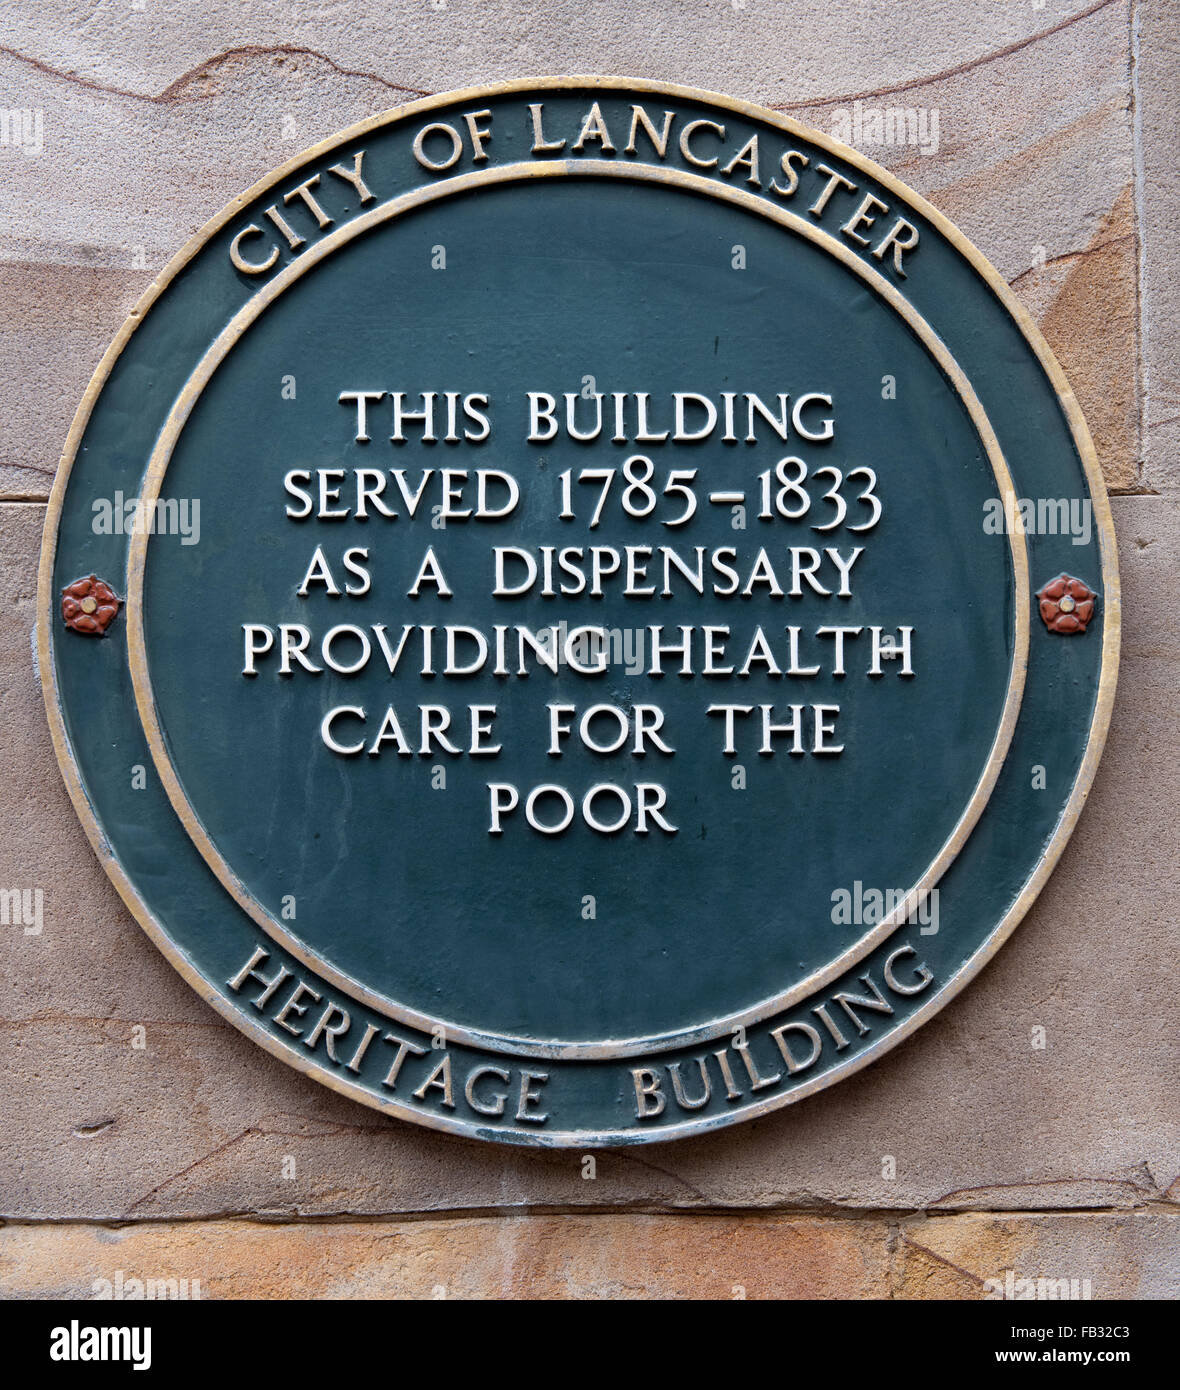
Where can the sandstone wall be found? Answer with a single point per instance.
(201, 1157)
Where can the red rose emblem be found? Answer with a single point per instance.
(89, 606)
(1067, 604)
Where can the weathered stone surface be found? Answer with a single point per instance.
(603, 1255)
(1157, 80)
(436, 46)
(152, 125)
(200, 1122)
(58, 322)
(1123, 1255)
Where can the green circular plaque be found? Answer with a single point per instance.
(579, 612)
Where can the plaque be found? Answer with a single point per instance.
(579, 612)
